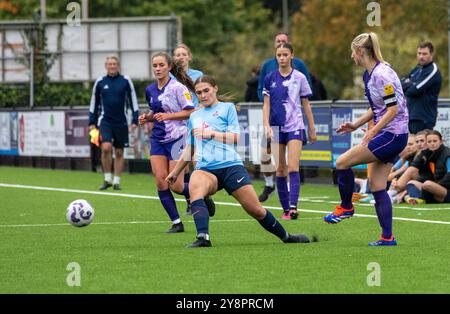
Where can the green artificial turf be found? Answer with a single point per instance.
(126, 249)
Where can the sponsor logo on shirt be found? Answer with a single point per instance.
(106, 87)
(205, 125)
(216, 114)
(274, 85)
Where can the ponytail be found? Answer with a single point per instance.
(370, 42)
(181, 75)
(376, 50)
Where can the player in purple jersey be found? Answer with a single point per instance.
(170, 105)
(285, 91)
(381, 144)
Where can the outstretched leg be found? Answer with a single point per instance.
(246, 196)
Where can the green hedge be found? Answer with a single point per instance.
(55, 94)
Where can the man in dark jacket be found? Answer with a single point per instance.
(111, 96)
(421, 88)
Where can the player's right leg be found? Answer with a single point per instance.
(346, 179)
(201, 184)
(279, 154)
(160, 168)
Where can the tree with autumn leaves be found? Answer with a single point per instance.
(228, 37)
(323, 30)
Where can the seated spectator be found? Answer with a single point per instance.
(412, 174)
(436, 160)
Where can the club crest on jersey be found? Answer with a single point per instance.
(216, 114)
(205, 125)
(106, 87)
(389, 90)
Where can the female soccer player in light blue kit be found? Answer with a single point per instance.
(213, 131)
(382, 143)
(285, 91)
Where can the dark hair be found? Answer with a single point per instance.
(177, 70)
(255, 69)
(208, 79)
(437, 133)
(281, 33)
(286, 45)
(426, 44)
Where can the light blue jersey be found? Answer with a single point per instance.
(212, 154)
(194, 75)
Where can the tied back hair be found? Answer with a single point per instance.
(228, 97)
(177, 70)
(370, 42)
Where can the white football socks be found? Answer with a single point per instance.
(108, 177)
(269, 180)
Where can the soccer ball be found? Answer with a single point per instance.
(80, 213)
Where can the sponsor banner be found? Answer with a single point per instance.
(77, 134)
(340, 142)
(30, 142)
(319, 153)
(9, 133)
(443, 123)
(243, 147)
(53, 139)
(139, 140)
(256, 131)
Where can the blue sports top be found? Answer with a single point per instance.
(212, 154)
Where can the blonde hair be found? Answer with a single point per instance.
(369, 41)
(184, 46)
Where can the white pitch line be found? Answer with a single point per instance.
(133, 223)
(19, 186)
(371, 205)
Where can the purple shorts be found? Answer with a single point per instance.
(285, 137)
(386, 146)
(172, 150)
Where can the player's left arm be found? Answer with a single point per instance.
(230, 136)
(185, 159)
(309, 115)
(390, 101)
(184, 100)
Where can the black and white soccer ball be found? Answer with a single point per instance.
(80, 213)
